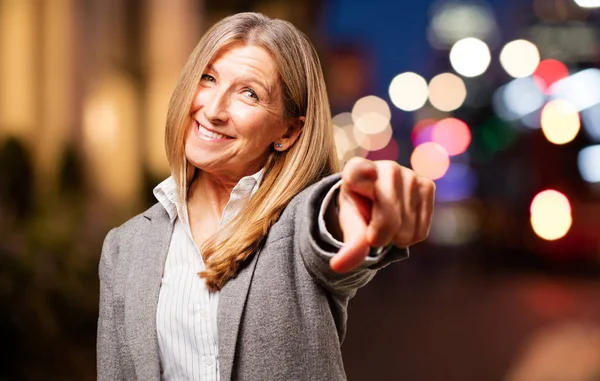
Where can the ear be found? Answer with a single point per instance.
(291, 134)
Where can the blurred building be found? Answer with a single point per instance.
(96, 76)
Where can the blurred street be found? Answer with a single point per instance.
(457, 324)
(497, 101)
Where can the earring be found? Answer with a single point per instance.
(278, 145)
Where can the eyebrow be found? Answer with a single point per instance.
(245, 78)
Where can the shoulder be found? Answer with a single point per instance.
(132, 228)
(132, 236)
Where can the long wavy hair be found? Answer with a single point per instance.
(309, 159)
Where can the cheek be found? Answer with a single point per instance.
(258, 126)
(202, 98)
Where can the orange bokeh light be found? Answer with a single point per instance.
(452, 134)
(430, 160)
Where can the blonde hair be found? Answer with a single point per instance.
(309, 159)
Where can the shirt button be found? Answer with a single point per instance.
(209, 361)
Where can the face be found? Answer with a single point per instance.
(236, 117)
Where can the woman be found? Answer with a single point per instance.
(244, 268)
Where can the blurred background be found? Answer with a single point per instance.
(498, 101)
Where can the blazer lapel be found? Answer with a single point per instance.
(150, 248)
(232, 301)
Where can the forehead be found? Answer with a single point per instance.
(246, 59)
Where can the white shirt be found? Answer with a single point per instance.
(186, 315)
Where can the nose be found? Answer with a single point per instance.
(216, 108)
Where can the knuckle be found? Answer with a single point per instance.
(422, 234)
(427, 187)
(385, 229)
(405, 238)
(355, 160)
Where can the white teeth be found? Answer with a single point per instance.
(211, 134)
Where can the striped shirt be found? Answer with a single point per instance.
(186, 316)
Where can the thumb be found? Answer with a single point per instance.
(352, 254)
(354, 216)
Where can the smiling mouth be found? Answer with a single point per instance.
(211, 135)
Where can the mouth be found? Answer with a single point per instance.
(210, 135)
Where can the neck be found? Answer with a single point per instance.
(210, 193)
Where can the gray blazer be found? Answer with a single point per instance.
(282, 318)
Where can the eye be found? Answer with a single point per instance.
(207, 77)
(251, 93)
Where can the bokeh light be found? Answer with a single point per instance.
(389, 152)
(430, 160)
(371, 114)
(408, 91)
(550, 215)
(591, 122)
(343, 142)
(560, 121)
(518, 98)
(343, 130)
(453, 21)
(454, 224)
(532, 120)
(470, 57)
(452, 134)
(500, 107)
(373, 142)
(519, 58)
(421, 132)
(588, 162)
(343, 119)
(588, 3)
(580, 89)
(494, 135)
(447, 92)
(548, 72)
(457, 184)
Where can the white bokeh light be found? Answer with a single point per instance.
(453, 20)
(551, 217)
(470, 57)
(371, 114)
(342, 141)
(588, 3)
(373, 142)
(591, 122)
(581, 89)
(408, 91)
(588, 161)
(522, 96)
(343, 132)
(519, 58)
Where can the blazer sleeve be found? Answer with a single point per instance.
(107, 356)
(316, 252)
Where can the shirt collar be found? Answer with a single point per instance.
(166, 192)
